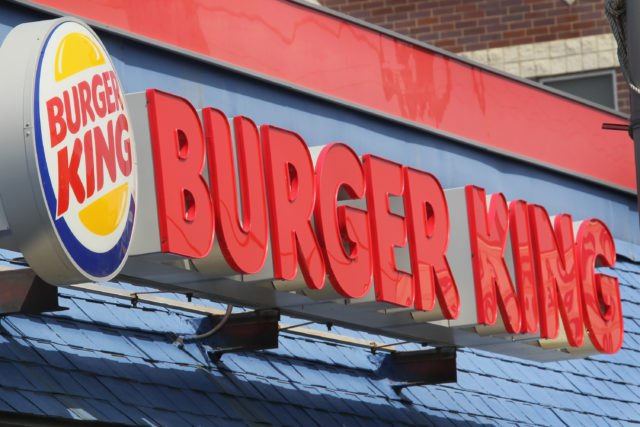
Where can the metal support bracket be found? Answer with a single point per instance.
(21, 291)
(250, 331)
(422, 367)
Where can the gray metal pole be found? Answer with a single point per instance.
(633, 51)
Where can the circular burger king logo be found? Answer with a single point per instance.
(84, 150)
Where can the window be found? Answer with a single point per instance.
(598, 87)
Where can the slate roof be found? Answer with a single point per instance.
(105, 360)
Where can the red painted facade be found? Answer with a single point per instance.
(352, 63)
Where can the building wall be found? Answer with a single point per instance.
(528, 38)
(104, 361)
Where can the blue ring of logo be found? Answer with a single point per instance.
(96, 264)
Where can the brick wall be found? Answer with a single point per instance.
(624, 103)
(463, 25)
(476, 25)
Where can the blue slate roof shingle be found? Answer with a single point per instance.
(108, 361)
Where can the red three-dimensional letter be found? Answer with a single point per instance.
(243, 244)
(600, 293)
(524, 266)
(558, 279)
(385, 178)
(185, 213)
(339, 168)
(427, 216)
(488, 236)
(291, 196)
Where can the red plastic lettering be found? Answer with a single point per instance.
(291, 196)
(109, 93)
(185, 214)
(89, 166)
(105, 155)
(116, 91)
(243, 243)
(338, 168)
(85, 103)
(72, 110)
(98, 95)
(488, 236)
(524, 266)
(57, 125)
(558, 280)
(600, 292)
(68, 176)
(384, 178)
(123, 145)
(428, 231)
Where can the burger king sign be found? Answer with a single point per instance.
(318, 238)
(68, 175)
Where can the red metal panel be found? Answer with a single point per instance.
(332, 56)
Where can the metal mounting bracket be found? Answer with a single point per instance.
(22, 291)
(250, 331)
(421, 367)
